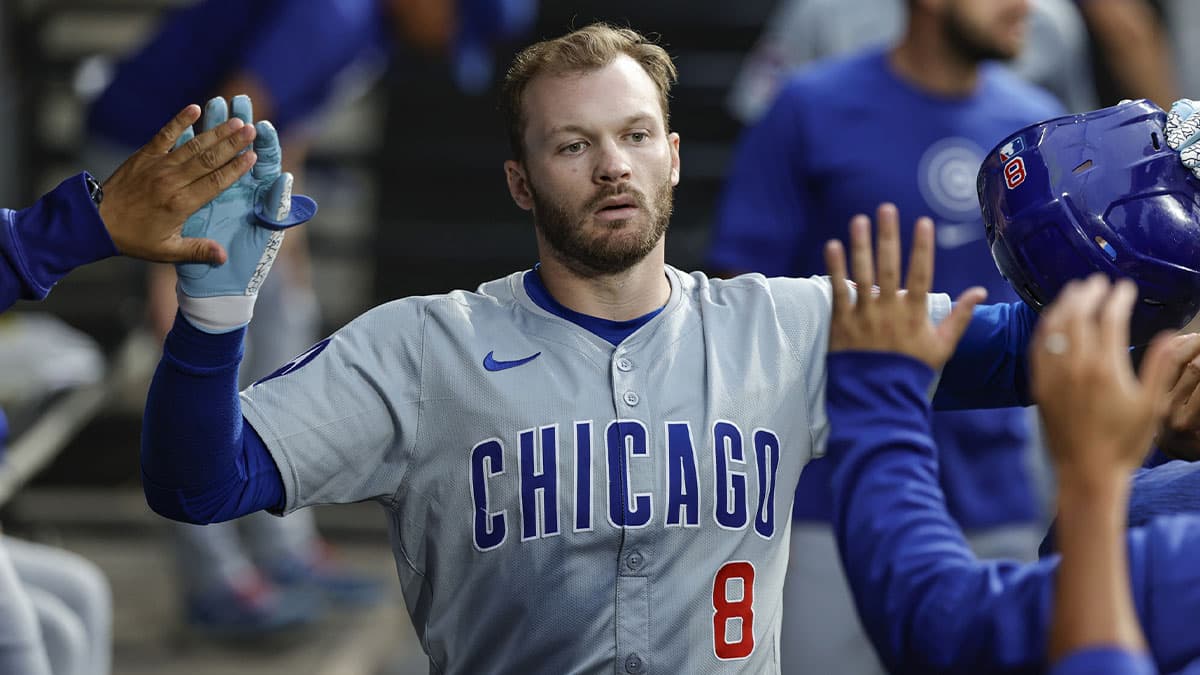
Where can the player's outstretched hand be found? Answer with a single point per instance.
(149, 196)
(1100, 417)
(1179, 435)
(248, 218)
(890, 318)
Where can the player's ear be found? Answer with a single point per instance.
(673, 140)
(518, 184)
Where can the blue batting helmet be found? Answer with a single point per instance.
(1097, 192)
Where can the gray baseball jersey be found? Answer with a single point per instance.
(560, 505)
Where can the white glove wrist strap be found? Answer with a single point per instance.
(218, 314)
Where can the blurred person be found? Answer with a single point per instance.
(1054, 53)
(1132, 51)
(296, 60)
(56, 607)
(911, 122)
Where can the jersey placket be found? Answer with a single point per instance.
(636, 463)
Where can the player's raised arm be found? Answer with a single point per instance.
(139, 211)
(1099, 417)
(194, 436)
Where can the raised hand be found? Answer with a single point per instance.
(1100, 417)
(147, 199)
(248, 218)
(890, 318)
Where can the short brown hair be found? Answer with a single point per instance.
(589, 48)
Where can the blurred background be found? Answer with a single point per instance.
(404, 156)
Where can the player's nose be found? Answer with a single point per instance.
(612, 164)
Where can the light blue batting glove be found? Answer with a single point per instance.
(248, 219)
(1183, 130)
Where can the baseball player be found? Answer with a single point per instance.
(586, 466)
(1058, 207)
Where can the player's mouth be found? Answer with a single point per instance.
(620, 207)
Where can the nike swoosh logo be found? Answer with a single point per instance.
(490, 362)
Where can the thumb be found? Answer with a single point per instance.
(197, 250)
(953, 327)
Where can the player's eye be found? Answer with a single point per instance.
(639, 136)
(574, 148)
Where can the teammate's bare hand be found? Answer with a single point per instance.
(892, 319)
(1100, 417)
(1179, 435)
(148, 198)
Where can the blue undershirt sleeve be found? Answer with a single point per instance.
(989, 368)
(40, 244)
(202, 462)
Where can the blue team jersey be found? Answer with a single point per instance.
(40, 244)
(842, 137)
(928, 604)
(296, 50)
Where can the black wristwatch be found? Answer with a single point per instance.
(95, 190)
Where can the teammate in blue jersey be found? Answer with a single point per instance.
(586, 465)
(929, 605)
(908, 124)
(139, 211)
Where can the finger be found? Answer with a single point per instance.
(195, 250)
(953, 326)
(243, 109)
(1114, 319)
(213, 149)
(920, 262)
(279, 198)
(216, 112)
(205, 188)
(861, 264)
(1184, 348)
(270, 156)
(835, 265)
(166, 137)
(887, 238)
(187, 135)
(1081, 328)
(1156, 371)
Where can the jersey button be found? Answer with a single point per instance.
(624, 365)
(634, 664)
(634, 561)
(632, 398)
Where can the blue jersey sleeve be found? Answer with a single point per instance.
(989, 368)
(761, 219)
(40, 244)
(201, 461)
(928, 605)
(1166, 489)
(299, 50)
(1105, 661)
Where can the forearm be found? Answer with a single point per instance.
(989, 369)
(928, 605)
(1134, 48)
(201, 462)
(40, 244)
(1093, 605)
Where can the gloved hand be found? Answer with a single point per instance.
(248, 219)
(1183, 129)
